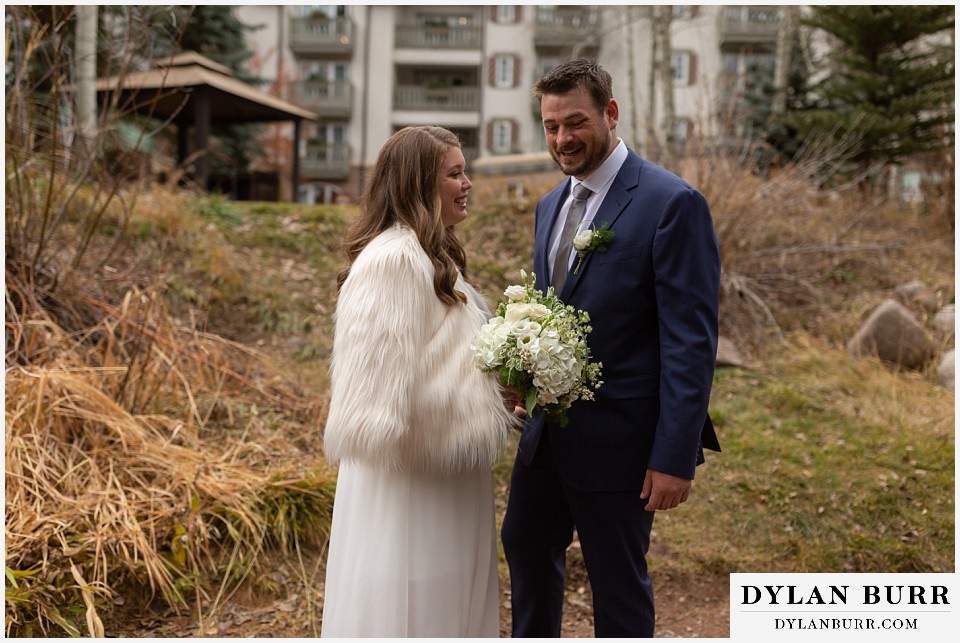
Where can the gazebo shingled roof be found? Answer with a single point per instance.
(190, 89)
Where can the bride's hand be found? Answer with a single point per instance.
(514, 403)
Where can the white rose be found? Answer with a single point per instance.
(516, 293)
(516, 312)
(582, 241)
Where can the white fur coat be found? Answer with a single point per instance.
(405, 391)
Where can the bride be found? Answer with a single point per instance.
(413, 424)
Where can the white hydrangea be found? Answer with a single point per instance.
(490, 342)
(538, 345)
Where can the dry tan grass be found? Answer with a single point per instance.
(796, 257)
(140, 450)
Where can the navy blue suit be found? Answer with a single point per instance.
(653, 299)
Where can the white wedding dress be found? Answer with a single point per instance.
(411, 555)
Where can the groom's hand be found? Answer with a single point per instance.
(663, 491)
(520, 411)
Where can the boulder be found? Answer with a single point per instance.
(728, 354)
(916, 295)
(893, 334)
(945, 372)
(909, 291)
(929, 301)
(945, 320)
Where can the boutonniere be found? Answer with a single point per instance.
(591, 239)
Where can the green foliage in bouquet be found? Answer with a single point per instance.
(537, 345)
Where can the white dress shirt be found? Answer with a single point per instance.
(599, 183)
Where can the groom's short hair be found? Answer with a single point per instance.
(572, 74)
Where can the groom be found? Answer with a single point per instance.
(653, 297)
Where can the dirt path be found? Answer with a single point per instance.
(287, 602)
(686, 607)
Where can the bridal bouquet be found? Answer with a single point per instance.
(538, 345)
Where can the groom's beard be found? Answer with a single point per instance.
(596, 154)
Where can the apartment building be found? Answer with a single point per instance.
(369, 70)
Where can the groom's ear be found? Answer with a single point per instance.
(612, 114)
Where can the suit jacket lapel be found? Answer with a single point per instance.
(614, 203)
(551, 208)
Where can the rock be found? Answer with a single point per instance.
(894, 335)
(917, 296)
(929, 301)
(945, 320)
(909, 291)
(945, 372)
(729, 355)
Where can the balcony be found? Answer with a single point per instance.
(321, 36)
(328, 98)
(444, 99)
(325, 161)
(749, 25)
(564, 26)
(438, 36)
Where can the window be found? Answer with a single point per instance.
(741, 71)
(546, 63)
(324, 71)
(502, 135)
(683, 64)
(324, 79)
(503, 75)
(682, 129)
(731, 64)
(329, 143)
(323, 17)
(506, 13)
(322, 10)
(444, 20)
(444, 29)
(680, 66)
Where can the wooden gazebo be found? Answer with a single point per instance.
(191, 90)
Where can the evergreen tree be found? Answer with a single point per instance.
(780, 137)
(889, 79)
(214, 31)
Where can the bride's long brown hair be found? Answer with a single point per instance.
(403, 188)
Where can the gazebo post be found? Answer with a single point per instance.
(191, 91)
(201, 125)
(295, 197)
(183, 140)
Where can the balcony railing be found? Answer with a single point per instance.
(321, 36)
(326, 161)
(750, 24)
(326, 98)
(444, 36)
(564, 26)
(425, 98)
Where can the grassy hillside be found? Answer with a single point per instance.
(829, 464)
(194, 354)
